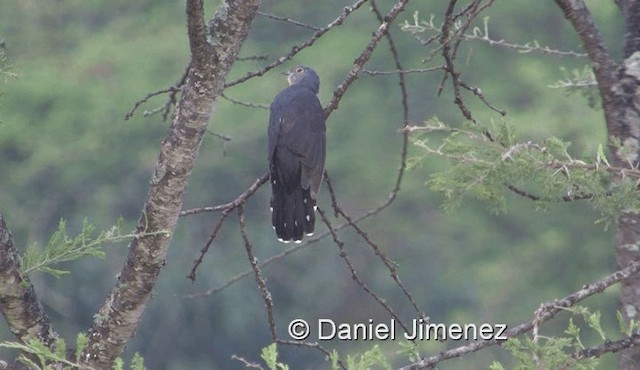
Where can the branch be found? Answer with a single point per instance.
(226, 209)
(364, 56)
(354, 274)
(241, 199)
(289, 20)
(314, 345)
(338, 93)
(389, 264)
(608, 347)
(118, 318)
(604, 68)
(266, 295)
(450, 40)
(298, 48)
(178, 86)
(544, 313)
(19, 304)
(308, 242)
(482, 34)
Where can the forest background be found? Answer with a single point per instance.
(66, 152)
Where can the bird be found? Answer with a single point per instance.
(296, 153)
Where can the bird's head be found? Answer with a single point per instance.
(305, 76)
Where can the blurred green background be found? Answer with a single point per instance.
(66, 152)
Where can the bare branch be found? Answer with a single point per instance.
(354, 274)
(297, 48)
(289, 20)
(314, 345)
(166, 108)
(266, 295)
(207, 246)
(608, 347)
(391, 265)
(241, 199)
(360, 61)
(226, 209)
(450, 41)
(482, 34)
(246, 104)
(544, 313)
(253, 57)
(402, 71)
(246, 363)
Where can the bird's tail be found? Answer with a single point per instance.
(292, 214)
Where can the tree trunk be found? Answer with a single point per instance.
(627, 117)
(619, 89)
(213, 51)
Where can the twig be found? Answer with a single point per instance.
(172, 90)
(544, 313)
(253, 57)
(234, 203)
(266, 295)
(246, 363)
(391, 265)
(360, 61)
(478, 34)
(478, 92)
(289, 20)
(226, 209)
(205, 249)
(354, 274)
(314, 345)
(608, 346)
(297, 48)
(564, 198)
(404, 98)
(450, 41)
(146, 98)
(401, 72)
(246, 104)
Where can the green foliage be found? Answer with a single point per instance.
(580, 81)
(627, 329)
(559, 352)
(484, 163)
(5, 69)
(49, 359)
(61, 247)
(409, 350)
(371, 359)
(270, 356)
(137, 362)
(38, 350)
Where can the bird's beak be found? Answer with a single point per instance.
(286, 73)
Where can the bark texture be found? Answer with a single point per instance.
(213, 51)
(619, 88)
(18, 302)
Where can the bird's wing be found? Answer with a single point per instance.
(297, 132)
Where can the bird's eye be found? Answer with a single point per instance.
(299, 70)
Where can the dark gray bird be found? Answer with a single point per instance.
(296, 154)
